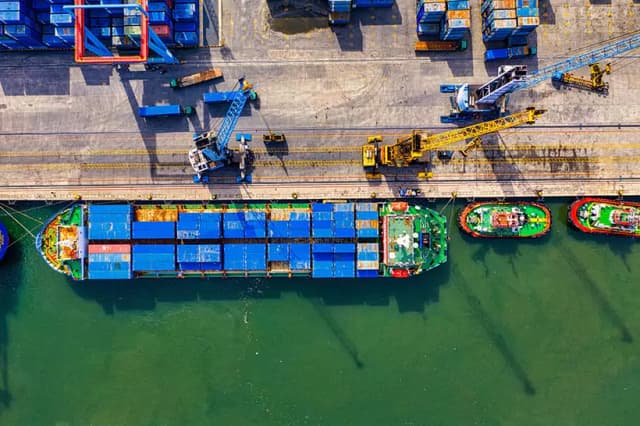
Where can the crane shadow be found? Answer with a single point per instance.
(495, 336)
(599, 298)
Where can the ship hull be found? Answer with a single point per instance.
(297, 239)
(4, 240)
(505, 220)
(604, 216)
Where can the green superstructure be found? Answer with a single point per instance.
(505, 219)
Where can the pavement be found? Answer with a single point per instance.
(68, 130)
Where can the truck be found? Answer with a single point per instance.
(509, 53)
(199, 77)
(164, 110)
(440, 45)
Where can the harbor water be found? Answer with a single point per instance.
(541, 332)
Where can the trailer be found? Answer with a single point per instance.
(509, 53)
(164, 110)
(200, 77)
(440, 45)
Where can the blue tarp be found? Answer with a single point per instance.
(300, 257)
(234, 257)
(188, 226)
(245, 257)
(278, 229)
(115, 209)
(255, 224)
(233, 224)
(278, 252)
(154, 257)
(154, 230)
(322, 228)
(255, 254)
(299, 229)
(198, 253)
(109, 221)
(199, 257)
(109, 227)
(210, 225)
(344, 248)
(322, 260)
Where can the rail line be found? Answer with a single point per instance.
(320, 162)
(513, 146)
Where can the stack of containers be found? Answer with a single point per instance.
(509, 19)
(131, 28)
(33, 24)
(18, 26)
(457, 21)
(449, 20)
(109, 261)
(99, 21)
(339, 11)
(185, 23)
(430, 14)
(161, 22)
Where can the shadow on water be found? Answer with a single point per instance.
(340, 335)
(11, 277)
(597, 295)
(411, 295)
(620, 246)
(495, 336)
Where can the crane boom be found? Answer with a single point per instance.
(596, 55)
(471, 102)
(430, 142)
(211, 151)
(411, 148)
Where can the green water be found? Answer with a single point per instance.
(508, 333)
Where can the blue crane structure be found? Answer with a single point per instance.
(472, 102)
(212, 151)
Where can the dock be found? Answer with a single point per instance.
(70, 131)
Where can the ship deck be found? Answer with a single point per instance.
(71, 131)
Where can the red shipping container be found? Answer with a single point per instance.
(109, 248)
(162, 30)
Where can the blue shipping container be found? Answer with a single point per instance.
(154, 230)
(154, 257)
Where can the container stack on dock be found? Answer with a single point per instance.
(444, 20)
(340, 10)
(509, 23)
(44, 24)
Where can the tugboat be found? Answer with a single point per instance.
(602, 216)
(505, 220)
(4, 240)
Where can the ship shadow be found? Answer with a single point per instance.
(411, 295)
(12, 275)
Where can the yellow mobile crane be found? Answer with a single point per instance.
(412, 148)
(595, 82)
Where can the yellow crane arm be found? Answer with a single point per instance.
(430, 142)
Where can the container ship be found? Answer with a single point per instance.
(317, 240)
(602, 216)
(505, 219)
(4, 240)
